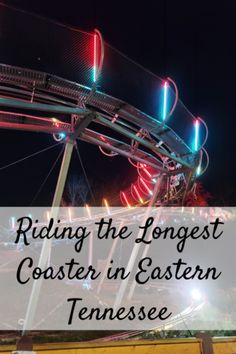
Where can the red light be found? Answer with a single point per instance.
(146, 187)
(138, 194)
(95, 58)
(147, 172)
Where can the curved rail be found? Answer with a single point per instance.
(163, 145)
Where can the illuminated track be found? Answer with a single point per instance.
(160, 153)
(83, 97)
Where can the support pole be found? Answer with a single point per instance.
(46, 248)
(207, 346)
(24, 345)
(63, 174)
(136, 248)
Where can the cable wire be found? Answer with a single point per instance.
(27, 157)
(46, 178)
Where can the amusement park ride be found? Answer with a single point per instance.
(74, 86)
(71, 101)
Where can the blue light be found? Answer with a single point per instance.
(94, 74)
(198, 171)
(165, 101)
(196, 138)
(62, 135)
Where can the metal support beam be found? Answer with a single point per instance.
(46, 247)
(143, 142)
(63, 173)
(207, 346)
(14, 103)
(83, 123)
(34, 127)
(135, 251)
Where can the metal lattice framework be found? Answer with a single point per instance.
(153, 147)
(67, 102)
(71, 84)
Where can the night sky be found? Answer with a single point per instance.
(191, 41)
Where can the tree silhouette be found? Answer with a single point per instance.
(76, 192)
(198, 196)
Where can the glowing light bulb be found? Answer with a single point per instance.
(62, 135)
(198, 171)
(196, 295)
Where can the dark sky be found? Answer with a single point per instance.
(191, 41)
